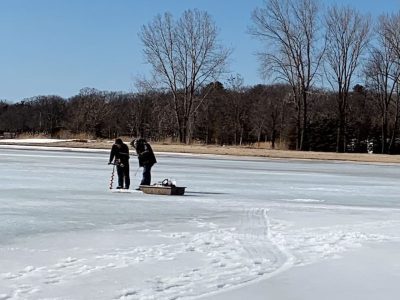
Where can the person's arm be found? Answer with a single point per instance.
(112, 154)
(125, 152)
(144, 151)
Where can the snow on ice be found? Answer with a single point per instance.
(246, 228)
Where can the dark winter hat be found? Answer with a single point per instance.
(118, 141)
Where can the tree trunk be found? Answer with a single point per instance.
(384, 131)
(396, 122)
(340, 133)
(273, 138)
(298, 130)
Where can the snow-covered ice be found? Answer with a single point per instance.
(246, 228)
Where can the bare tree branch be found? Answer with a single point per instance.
(348, 35)
(186, 56)
(293, 52)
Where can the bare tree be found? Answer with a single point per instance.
(347, 38)
(88, 112)
(383, 75)
(267, 109)
(185, 56)
(49, 111)
(293, 53)
(259, 111)
(392, 31)
(236, 106)
(213, 116)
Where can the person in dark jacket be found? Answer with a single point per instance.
(120, 152)
(146, 158)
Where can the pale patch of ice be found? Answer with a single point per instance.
(303, 200)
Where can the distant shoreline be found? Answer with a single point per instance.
(216, 150)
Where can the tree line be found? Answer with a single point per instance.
(231, 115)
(334, 85)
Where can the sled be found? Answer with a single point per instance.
(162, 190)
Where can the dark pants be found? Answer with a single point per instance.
(146, 180)
(123, 176)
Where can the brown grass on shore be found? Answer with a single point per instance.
(236, 151)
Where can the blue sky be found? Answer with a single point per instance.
(60, 46)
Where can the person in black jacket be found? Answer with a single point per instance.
(146, 158)
(120, 152)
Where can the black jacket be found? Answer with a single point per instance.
(145, 154)
(121, 154)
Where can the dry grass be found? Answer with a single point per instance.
(237, 151)
(30, 135)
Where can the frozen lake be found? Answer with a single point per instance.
(246, 227)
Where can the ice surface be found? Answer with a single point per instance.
(245, 226)
(35, 141)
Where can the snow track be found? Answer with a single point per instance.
(223, 258)
(64, 235)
